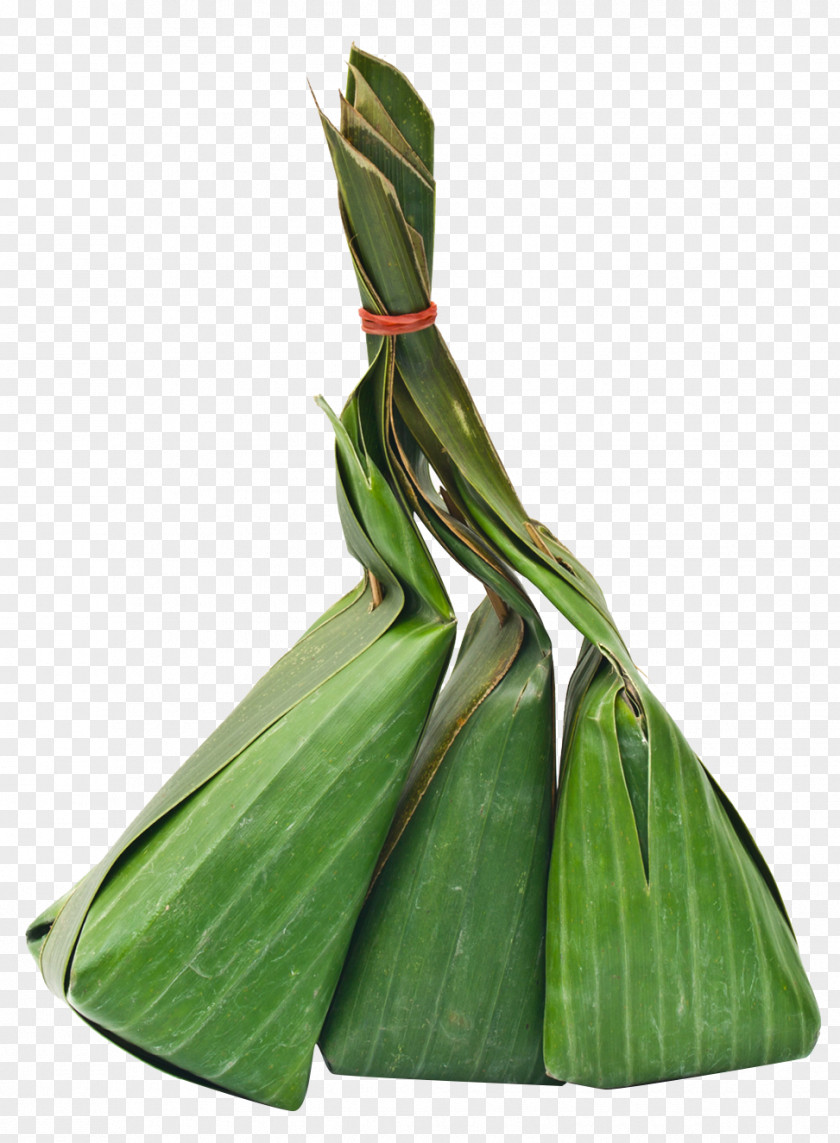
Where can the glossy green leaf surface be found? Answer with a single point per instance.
(445, 975)
(396, 94)
(243, 899)
(362, 96)
(435, 422)
(211, 937)
(381, 235)
(336, 851)
(476, 1013)
(416, 194)
(447, 423)
(686, 969)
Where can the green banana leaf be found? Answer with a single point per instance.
(406, 1003)
(434, 416)
(431, 396)
(669, 953)
(445, 978)
(209, 940)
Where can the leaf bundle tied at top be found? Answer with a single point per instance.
(668, 948)
(359, 858)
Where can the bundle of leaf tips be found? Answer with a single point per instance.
(669, 950)
(361, 859)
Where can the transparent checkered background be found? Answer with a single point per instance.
(633, 267)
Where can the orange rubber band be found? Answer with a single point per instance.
(387, 325)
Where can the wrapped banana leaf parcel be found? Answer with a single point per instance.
(669, 950)
(358, 858)
(445, 978)
(209, 940)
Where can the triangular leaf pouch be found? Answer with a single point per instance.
(445, 975)
(668, 951)
(210, 939)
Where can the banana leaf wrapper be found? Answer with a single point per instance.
(670, 952)
(445, 978)
(209, 940)
(385, 199)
